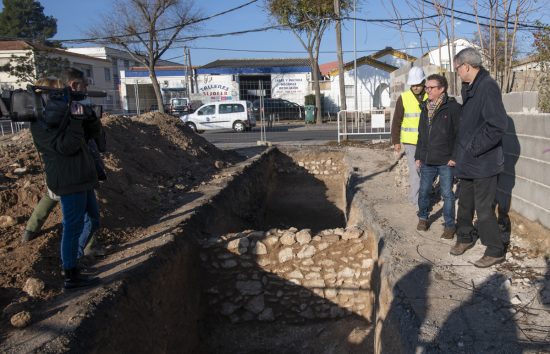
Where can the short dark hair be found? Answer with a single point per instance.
(72, 74)
(441, 80)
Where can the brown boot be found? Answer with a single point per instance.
(461, 247)
(422, 225)
(448, 233)
(487, 261)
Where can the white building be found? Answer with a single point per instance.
(120, 60)
(440, 56)
(373, 80)
(234, 79)
(530, 63)
(96, 70)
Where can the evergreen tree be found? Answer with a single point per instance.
(25, 19)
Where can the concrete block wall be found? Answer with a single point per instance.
(525, 101)
(525, 182)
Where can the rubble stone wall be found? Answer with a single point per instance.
(289, 275)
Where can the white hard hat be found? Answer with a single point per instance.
(416, 76)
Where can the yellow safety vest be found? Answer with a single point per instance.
(411, 117)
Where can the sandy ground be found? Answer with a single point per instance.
(443, 302)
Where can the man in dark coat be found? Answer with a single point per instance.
(61, 139)
(435, 152)
(479, 158)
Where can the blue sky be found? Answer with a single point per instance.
(76, 16)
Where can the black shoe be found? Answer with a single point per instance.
(73, 279)
(27, 236)
(88, 271)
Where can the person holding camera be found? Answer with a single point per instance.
(46, 204)
(61, 137)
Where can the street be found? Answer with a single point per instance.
(282, 134)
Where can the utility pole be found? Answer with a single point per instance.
(341, 82)
(355, 52)
(186, 65)
(194, 85)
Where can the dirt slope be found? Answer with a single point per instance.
(151, 161)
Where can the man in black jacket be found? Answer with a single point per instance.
(435, 152)
(61, 138)
(479, 158)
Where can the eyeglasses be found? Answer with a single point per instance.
(456, 68)
(429, 88)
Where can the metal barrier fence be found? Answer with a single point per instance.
(354, 123)
(9, 127)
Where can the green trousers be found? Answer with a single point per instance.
(40, 213)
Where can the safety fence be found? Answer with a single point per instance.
(356, 123)
(8, 127)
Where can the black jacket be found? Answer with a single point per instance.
(436, 142)
(483, 123)
(68, 163)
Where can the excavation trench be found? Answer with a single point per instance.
(267, 263)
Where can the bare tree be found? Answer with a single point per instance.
(498, 32)
(146, 29)
(308, 20)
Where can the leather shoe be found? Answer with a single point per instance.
(487, 261)
(448, 233)
(422, 225)
(461, 247)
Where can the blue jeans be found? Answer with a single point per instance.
(80, 219)
(427, 176)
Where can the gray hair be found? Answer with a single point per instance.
(468, 56)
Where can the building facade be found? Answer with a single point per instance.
(221, 80)
(373, 81)
(95, 69)
(120, 61)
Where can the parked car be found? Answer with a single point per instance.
(221, 115)
(155, 108)
(179, 106)
(277, 108)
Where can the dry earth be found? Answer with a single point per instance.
(152, 160)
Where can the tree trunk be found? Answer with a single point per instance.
(341, 82)
(317, 88)
(156, 88)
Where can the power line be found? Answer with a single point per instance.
(267, 28)
(527, 25)
(77, 40)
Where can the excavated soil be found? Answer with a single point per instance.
(151, 161)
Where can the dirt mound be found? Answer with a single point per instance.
(152, 160)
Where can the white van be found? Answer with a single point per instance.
(234, 115)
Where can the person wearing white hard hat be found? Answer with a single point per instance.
(404, 131)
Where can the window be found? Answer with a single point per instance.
(107, 74)
(231, 108)
(350, 91)
(206, 110)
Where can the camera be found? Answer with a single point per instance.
(33, 103)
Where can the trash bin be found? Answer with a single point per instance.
(309, 113)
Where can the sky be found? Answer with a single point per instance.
(75, 17)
